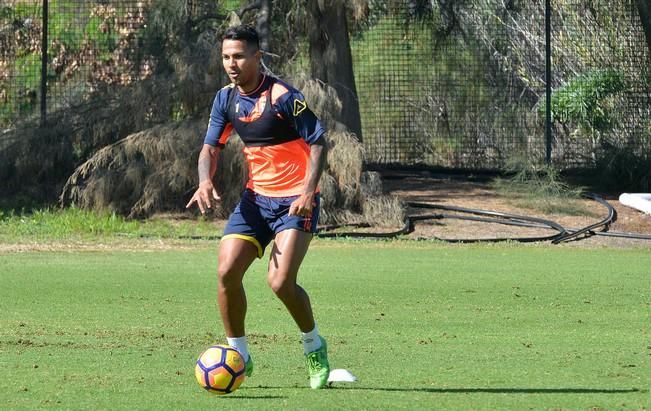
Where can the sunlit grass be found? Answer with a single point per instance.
(422, 325)
(58, 224)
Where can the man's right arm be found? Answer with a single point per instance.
(219, 129)
(206, 166)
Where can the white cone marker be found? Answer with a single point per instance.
(341, 375)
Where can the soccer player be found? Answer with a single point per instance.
(285, 150)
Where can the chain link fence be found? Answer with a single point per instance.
(89, 44)
(462, 84)
(601, 81)
(443, 84)
(20, 61)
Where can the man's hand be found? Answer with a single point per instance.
(204, 196)
(303, 205)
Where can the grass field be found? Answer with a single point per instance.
(423, 326)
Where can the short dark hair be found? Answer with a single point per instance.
(245, 33)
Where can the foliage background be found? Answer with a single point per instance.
(440, 84)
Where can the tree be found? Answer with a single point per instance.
(644, 8)
(263, 25)
(262, 9)
(331, 59)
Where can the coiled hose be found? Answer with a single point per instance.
(562, 234)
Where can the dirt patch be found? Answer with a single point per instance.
(478, 194)
(134, 244)
(448, 190)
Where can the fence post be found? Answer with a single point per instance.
(548, 82)
(44, 65)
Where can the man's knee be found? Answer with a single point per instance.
(235, 257)
(281, 284)
(229, 275)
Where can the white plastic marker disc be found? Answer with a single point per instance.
(341, 375)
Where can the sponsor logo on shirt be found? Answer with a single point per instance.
(299, 106)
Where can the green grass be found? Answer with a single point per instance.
(423, 325)
(77, 224)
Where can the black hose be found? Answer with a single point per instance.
(621, 234)
(495, 217)
(486, 216)
(589, 230)
(407, 228)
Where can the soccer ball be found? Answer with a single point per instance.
(220, 369)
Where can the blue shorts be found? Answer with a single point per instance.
(259, 218)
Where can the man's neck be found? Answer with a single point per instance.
(250, 89)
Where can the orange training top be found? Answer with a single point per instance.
(277, 129)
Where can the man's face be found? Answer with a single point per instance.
(242, 64)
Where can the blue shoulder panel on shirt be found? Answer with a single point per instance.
(218, 116)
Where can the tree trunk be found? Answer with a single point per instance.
(330, 57)
(644, 8)
(263, 25)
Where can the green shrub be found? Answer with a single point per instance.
(587, 100)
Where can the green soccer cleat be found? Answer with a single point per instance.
(248, 368)
(318, 366)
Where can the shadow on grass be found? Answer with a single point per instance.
(510, 390)
(480, 390)
(256, 397)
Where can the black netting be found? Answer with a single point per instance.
(602, 92)
(92, 43)
(20, 60)
(445, 87)
(449, 83)
(462, 84)
(89, 43)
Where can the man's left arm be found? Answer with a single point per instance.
(303, 205)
